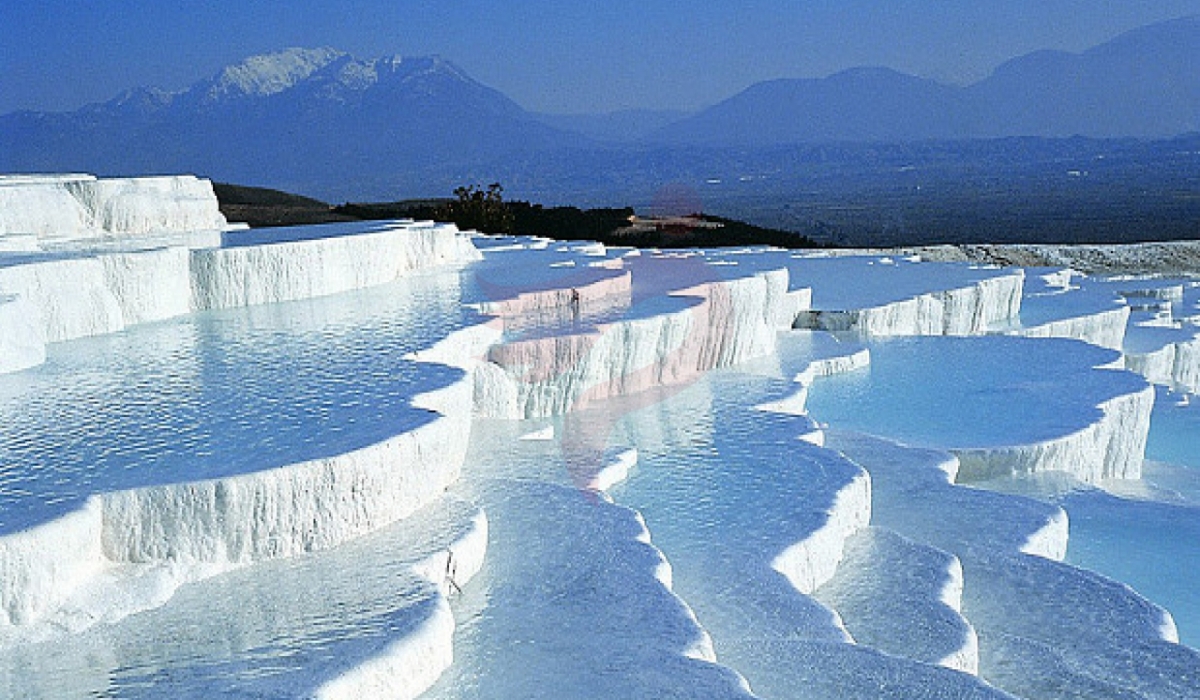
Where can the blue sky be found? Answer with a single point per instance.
(549, 56)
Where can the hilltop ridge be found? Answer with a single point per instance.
(328, 124)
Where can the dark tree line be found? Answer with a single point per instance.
(484, 209)
(476, 208)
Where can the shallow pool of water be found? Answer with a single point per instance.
(948, 393)
(972, 392)
(219, 393)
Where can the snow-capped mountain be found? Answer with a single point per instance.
(262, 76)
(325, 123)
(328, 75)
(297, 117)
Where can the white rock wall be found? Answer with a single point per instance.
(966, 658)
(293, 509)
(964, 311)
(1175, 365)
(41, 206)
(979, 308)
(1111, 448)
(1156, 366)
(150, 204)
(1186, 371)
(287, 271)
(732, 321)
(551, 376)
(813, 561)
(1105, 329)
(42, 565)
(213, 524)
(67, 298)
(62, 295)
(830, 366)
(82, 206)
(602, 290)
(70, 297)
(61, 298)
(1050, 541)
(148, 286)
(22, 337)
(410, 665)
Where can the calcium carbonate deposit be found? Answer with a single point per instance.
(399, 460)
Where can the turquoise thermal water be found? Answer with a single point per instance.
(1152, 541)
(722, 486)
(219, 393)
(567, 605)
(986, 391)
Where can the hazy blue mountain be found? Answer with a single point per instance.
(297, 118)
(1144, 83)
(324, 123)
(622, 126)
(862, 104)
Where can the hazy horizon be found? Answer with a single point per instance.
(554, 59)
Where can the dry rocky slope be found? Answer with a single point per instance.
(1170, 257)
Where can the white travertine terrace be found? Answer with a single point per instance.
(65, 207)
(916, 572)
(724, 322)
(985, 300)
(1105, 328)
(23, 341)
(1110, 448)
(238, 275)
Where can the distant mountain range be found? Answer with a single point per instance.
(323, 122)
(301, 116)
(1144, 83)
